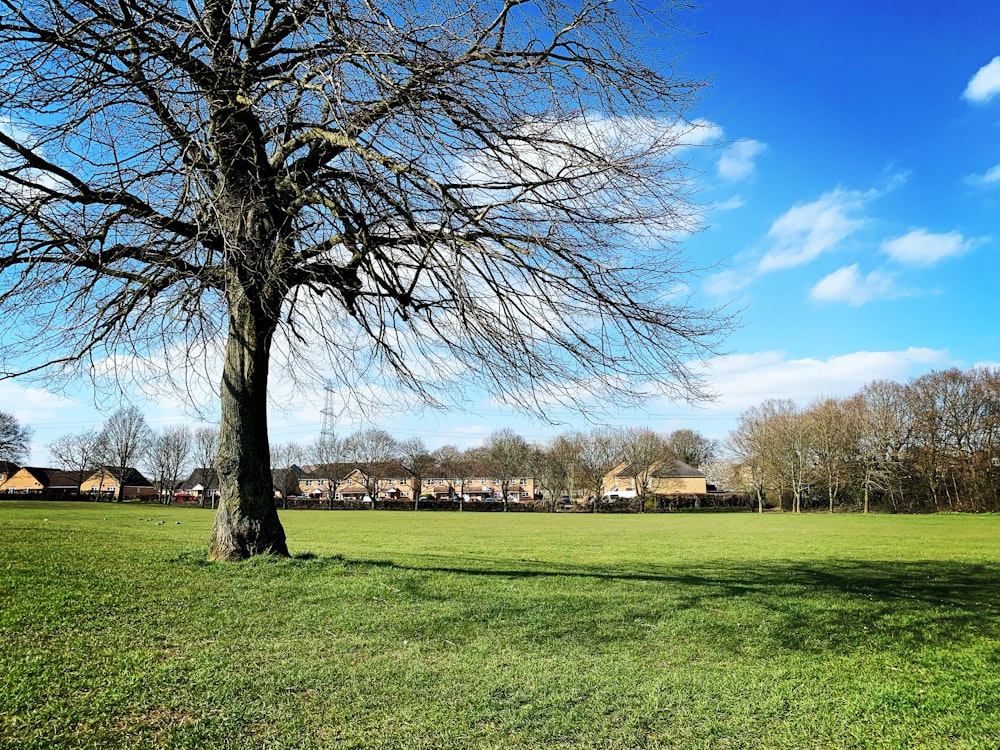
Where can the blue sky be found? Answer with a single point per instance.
(850, 216)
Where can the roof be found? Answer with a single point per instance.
(133, 477)
(205, 477)
(671, 468)
(51, 478)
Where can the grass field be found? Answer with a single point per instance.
(448, 630)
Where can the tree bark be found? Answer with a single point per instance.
(246, 522)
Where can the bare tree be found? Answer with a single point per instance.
(382, 185)
(328, 449)
(600, 451)
(643, 451)
(285, 469)
(750, 444)
(508, 454)
(77, 454)
(417, 460)
(168, 456)
(455, 465)
(692, 447)
(205, 449)
(883, 434)
(122, 444)
(372, 450)
(554, 466)
(834, 429)
(15, 439)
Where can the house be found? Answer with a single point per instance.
(285, 481)
(36, 480)
(202, 487)
(349, 482)
(669, 476)
(108, 482)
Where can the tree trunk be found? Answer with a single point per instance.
(246, 522)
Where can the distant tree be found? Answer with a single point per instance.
(15, 439)
(883, 433)
(77, 454)
(205, 449)
(554, 466)
(328, 449)
(380, 183)
(771, 443)
(788, 450)
(833, 428)
(168, 456)
(285, 459)
(599, 452)
(508, 454)
(643, 450)
(692, 447)
(372, 450)
(418, 461)
(123, 442)
(455, 466)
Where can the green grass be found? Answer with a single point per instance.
(448, 630)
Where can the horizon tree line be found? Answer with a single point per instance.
(931, 444)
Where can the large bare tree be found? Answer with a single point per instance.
(422, 191)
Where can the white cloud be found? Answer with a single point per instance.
(726, 283)
(985, 84)
(848, 285)
(737, 163)
(923, 248)
(990, 177)
(730, 204)
(806, 231)
(799, 236)
(745, 380)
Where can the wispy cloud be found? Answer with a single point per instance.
(987, 179)
(739, 160)
(985, 84)
(800, 235)
(808, 230)
(849, 285)
(923, 248)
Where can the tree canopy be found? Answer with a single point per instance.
(411, 194)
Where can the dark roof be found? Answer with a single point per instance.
(52, 478)
(133, 477)
(671, 468)
(207, 478)
(676, 468)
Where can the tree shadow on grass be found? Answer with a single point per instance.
(819, 606)
(810, 606)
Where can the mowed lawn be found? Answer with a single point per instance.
(467, 630)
